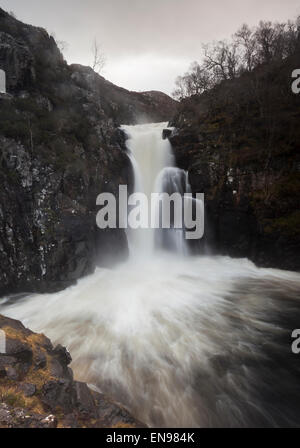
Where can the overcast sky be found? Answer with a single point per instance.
(147, 43)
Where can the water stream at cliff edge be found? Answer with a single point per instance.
(181, 341)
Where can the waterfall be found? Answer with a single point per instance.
(172, 180)
(181, 341)
(154, 172)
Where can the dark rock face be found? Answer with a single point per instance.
(122, 105)
(17, 62)
(162, 104)
(45, 395)
(29, 390)
(166, 134)
(240, 145)
(60, 148)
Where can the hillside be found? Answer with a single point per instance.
(60, 148)
(240, 143)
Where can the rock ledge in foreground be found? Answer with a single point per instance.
(37, 389)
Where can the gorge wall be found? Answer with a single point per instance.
(240, 145)
(60, 148)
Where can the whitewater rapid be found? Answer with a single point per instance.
(181, 341)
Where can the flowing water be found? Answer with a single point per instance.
(153, 163)
(182, 341)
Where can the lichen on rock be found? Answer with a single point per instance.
(37, 388)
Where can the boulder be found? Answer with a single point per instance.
(166, 134)
(37, 387)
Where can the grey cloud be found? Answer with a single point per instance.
(141, 37)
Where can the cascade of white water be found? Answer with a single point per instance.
(172, 180)
(153, 165)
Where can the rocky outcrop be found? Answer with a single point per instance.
(60, 148)
(37, 389)
(240, 145)
(162, 104)
(122, 105)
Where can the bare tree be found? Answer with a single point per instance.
(249, 47)
(233, 60)
(246, 39)
(196, 81)
(265, 36)
(222, 60)
(99, 59)
(292, 36)
(215, 60)
(180, 88)
(199, 79)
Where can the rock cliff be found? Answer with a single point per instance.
(240, 144)
(60, 148)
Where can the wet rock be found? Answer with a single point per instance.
(69, 421)
(58, 394)
(40, 360)
(85, 399)
(51, 388)
(56, 369)
(12, 373)
(28, 389)
(18, 349)
(62, 355)
(59, 363)
(114, 414)
(6, 361)
(49, 422)
(166, 134)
